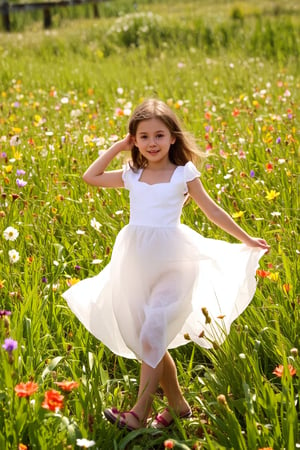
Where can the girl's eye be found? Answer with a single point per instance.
(160, 136)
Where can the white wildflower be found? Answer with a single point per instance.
(10, 234)
(14, 256)
(95, 224)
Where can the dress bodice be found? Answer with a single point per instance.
(159, 204)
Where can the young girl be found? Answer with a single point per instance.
(166, 284)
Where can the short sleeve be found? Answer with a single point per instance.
(126, 175)
(190, 172)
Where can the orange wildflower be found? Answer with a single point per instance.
(262, 273)
(53, 400)
(67, 385)
(286, 287)
(279, 370)
(22, 447)
(26, 389)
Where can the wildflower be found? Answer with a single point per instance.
(271, 195)
(10, 234)
(222, 400)
(14, 256)
(169, 443)
(279, 370)
(235, 112)
(20, 182)
(26, 389)
(286, 287)
(278, 140)
(274, 276)
(67, 386)
(206, 315)
(252, 173)
(22, 447)
(72, 281)
(8, 169)
(238, 215)
(4, 312)
(14, 140)
(294, 352)
(53, 400)
(262, 273)
(269, 167)
(10, 345)
(85, 443)
(20, 172)
(96, 225)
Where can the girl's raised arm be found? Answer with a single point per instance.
(96, 175)
(218, 216)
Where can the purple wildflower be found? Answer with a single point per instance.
(44, 280)
(10, 345)
(20, 172)
(3, 155)
(252, 173)
(21, 183)
(278, 140)
(77, 267)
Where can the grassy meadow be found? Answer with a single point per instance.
(231, 72)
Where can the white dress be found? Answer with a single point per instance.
(151, 295)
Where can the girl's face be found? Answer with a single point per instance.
(153, 139)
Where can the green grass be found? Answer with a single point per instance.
(235, 84)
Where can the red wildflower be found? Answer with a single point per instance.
(279, 370)
(53, 400)
(26, 389)
(262, 273)
(235, 112)
(67, 385)
(169, 443)
(269, 167)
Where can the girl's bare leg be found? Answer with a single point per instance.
(149, 381)
(165, 374)
(170, 385)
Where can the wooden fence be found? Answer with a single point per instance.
(6, 8)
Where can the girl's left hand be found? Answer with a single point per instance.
(257, 242)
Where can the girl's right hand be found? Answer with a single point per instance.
(127, 143)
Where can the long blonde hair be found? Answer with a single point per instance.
(184, 148)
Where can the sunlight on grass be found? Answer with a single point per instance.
(66, 95)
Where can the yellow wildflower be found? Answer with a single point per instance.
(238, 214)
(72, 281)
(8, 169)
(271, 195)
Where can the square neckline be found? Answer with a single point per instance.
(160, 182)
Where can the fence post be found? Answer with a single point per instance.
(5, 16)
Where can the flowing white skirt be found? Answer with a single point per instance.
(164, 287)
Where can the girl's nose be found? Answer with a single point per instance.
(152, 141)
